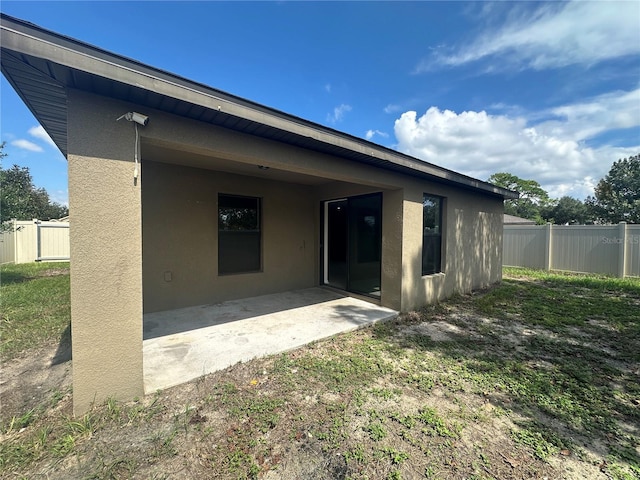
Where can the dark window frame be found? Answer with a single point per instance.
(243, 232)
(432, 250)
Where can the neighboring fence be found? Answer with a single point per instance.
(608, 249)
(34, 241)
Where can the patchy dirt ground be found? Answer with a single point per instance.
(31, 380)
(448, 392)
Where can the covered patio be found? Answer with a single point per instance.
(184, 344)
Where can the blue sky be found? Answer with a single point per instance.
(546, 91)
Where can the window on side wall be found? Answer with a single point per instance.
(431, 234)
(239, 234)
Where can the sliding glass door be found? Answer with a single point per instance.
(353, 243)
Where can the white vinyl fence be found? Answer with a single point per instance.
(607, 249)
(34, 241)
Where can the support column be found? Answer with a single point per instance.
(392, 228)
(106, 253)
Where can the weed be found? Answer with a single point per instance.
(242, 465)
(22, 421)
(385, 393)
(64, 445)
(376, 431)
(162, 444)
(542, 442)
(394, 475)
(435, 424)
(356, 454)
(407, 421)
(396, 456)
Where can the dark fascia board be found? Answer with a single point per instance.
(27, 38)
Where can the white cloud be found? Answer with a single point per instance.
(372, 133)
(327, 88)
(41, 134)
(392, 108)
(615, 110)
(338, 113)
(479, 144)
(37, 132)
(577, 32)
(60, 196)
(26, 145)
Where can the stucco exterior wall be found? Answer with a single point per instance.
(471, 250)
(180, 264)
(180, 237)
(106, 253)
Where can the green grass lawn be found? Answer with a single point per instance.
(35, 306)
(536, 377)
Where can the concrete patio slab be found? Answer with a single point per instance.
(181, 345)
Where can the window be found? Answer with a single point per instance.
(431, 234)
(239, 234)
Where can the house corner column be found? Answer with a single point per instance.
(106, 253)
(392, 227)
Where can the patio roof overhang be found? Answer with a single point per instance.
(41, 65)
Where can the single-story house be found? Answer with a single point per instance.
(185, 195)
(513, 220)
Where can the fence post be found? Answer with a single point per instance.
(38, 239)
(547, 247)
(14, 227)
(622, 249)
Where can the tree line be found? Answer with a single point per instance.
(616, 198)
(21, 199)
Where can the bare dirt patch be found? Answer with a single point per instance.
(34, 381)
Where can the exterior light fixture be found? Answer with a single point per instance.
(137, 119)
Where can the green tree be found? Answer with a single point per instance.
(533, 198)
(568, 211)
(20, 199)
(617, 195)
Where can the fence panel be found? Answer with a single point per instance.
(7, 246)
(53, 241)
(606, 249)
(28, 241)
(584, 248)
(524, 246)
(632, 266)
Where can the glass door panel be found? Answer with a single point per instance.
(336, 241)
(365, 238)
(353, 244)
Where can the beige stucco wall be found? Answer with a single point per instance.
(170, 214)
(180, 241)
(106, 253)
(180, 264)
(472, 244)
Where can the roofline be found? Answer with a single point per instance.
(25, 37)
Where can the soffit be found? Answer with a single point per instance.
(180, 157)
